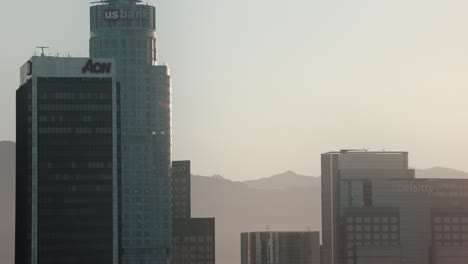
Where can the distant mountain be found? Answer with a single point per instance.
(441, 172)
(285, 180)
(290, 179)
(239, 208)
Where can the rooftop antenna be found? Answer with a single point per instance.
(100, 2)
(42, 52)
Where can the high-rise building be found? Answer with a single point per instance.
(181, 194)
(193, 239)
(348, 164)
(280, 247)
(376, 211)
(125, 31)
(67, 162)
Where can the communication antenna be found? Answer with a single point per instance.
(42, 52)
(100, 2)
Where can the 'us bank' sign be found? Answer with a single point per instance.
(116, 14)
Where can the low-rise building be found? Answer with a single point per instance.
(280, 248)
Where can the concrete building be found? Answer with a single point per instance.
(193, 239)
(67, 162)
(280, 247)
(125, 30)
(376, 211)
(181, 189)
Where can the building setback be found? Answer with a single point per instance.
(125, 30)
(280, 248)
(193, 239)
(67, 162)
(383, 214)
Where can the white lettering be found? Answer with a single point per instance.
(116, 14)
(179, 169)
(112, 14)
(415, 188)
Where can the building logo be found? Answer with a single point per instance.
(415, 188)
(179, 169)
(98, 68)
(112, 14)
(116, 14)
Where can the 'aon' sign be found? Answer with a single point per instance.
(98, 68)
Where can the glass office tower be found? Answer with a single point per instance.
(67, 162)
(125, 31)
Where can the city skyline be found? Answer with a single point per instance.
(361, 74)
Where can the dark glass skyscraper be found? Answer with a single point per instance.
(67, 162)
(125, 30)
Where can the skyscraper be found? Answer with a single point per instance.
(67, 162)
(125, 30)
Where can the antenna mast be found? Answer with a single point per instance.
(42, 48)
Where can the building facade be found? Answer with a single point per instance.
(280, 247)
(351, 164)
(67, 162)
(125, 31)
(181, 194)
(194, 241)
(383, 214)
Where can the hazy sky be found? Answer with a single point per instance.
(264, 86)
